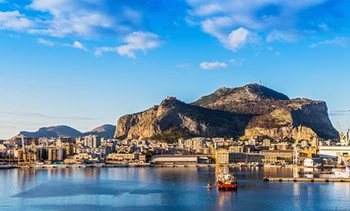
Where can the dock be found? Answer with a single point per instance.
(301, 179)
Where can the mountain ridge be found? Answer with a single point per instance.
(262, 111)
(106, 131)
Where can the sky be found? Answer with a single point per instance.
(86, 63)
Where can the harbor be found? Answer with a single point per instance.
(304, 179)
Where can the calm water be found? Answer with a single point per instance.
(162, 189)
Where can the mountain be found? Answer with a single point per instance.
(106, 131)
(54, 131)
(249, 111)
(173, 119)
(275, 114)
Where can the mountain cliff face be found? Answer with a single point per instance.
(275, 114)
(249, 111)
(173, 119)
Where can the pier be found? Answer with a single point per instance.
(301, 179)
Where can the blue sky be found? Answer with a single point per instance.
(86, 63)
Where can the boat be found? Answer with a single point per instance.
(209, 186)
(342, 173)
(224, 179)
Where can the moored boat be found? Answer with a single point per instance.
(342, 173)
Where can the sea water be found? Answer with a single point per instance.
(162, 189)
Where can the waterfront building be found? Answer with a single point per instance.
(277, 156)
(245, 158)
(70, 149)
(92, 141)
(174, 159)
(235, 149)
(334, 151)
(222, 155)
(120, 156)
(251, 141)
(266, 143)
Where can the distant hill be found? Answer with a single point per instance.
(105, 131)
(54, 131)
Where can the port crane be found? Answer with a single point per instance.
(296, 153)
(25, 154)
(344, 136)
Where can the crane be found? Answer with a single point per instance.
(344, 137)
(23, 152)
(296, 159)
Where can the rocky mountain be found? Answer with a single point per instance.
(275, 114)
(249, 111)
(173, 119)
(106, 131)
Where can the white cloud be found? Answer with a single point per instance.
(207, 9)
(138, 41)
(100, 50)
(237, 62)
(46, 42)
(323, 26)
(14, 21)
(78, 45)
(83, 18)
(234, 40)
(237, 38)
(185, 65)
(270, 48)
(212, 65)
(338, 41)
(274, 20)
(282, 36)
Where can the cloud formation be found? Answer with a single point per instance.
(14, 21)
(136, 41)
(46, 42)
(212, 65)
(239, 22)
(234, 23)
(84, 18)
(337, 41)
(78, 45)
(184, 65)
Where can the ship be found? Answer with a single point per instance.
(224, 179)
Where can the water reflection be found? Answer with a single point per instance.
(225, 197)
(163, 188)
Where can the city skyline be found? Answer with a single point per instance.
(86, 63)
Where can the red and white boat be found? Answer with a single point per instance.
(226, 181)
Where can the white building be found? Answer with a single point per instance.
(334, 151)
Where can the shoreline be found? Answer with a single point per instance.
(136, 165)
